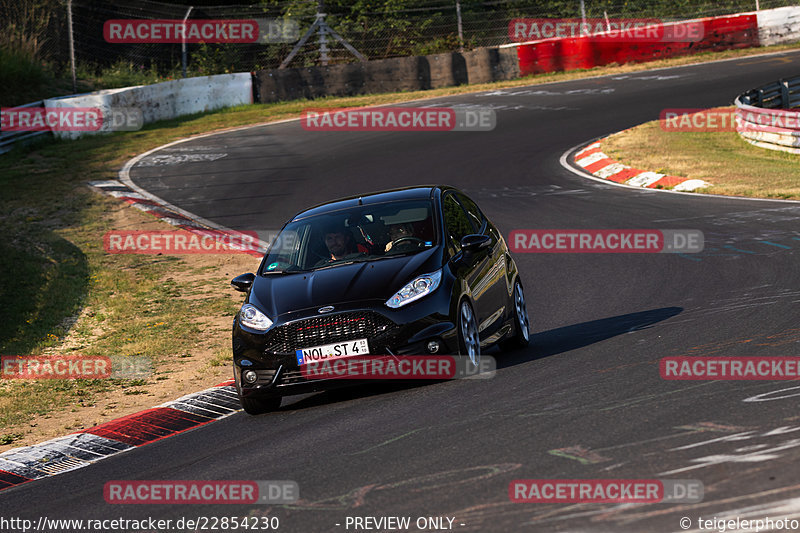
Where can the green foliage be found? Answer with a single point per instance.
(124, 74)
(20, 71)
(210, 59)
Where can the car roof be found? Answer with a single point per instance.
(425, 192)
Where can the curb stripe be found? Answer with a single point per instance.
(148, 426)
(625, 175)
(645, 179)
(81, 449)
(668, 181)
(592, 159)
(124, 193)
(589, 150)
(7, 479)
(599, 164)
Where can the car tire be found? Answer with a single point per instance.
(257, 406)
(469, 343)
(522, 335)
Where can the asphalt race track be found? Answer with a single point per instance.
(584, 401)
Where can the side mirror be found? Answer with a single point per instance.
(471, 244)
(244, 282)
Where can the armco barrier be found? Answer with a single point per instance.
(387, 75)
(165, 100)
(10, 138)
(764, 116)
(557, 54)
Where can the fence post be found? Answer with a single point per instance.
(71, 46)
(460, 26)
(323, 40)
(183, 43)
(784, 93)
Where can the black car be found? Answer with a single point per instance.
(411, 271)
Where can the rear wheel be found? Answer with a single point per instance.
(522, 334)
(469, 342)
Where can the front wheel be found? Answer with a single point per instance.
(468, 340)
(522, 334)
(257, 406)
(253, 405)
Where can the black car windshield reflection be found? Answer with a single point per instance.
(352, 235)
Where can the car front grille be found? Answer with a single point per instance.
(327, 329)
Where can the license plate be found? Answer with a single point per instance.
(327, 352)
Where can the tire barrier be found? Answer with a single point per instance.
(765, 116)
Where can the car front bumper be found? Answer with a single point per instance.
(404, 331)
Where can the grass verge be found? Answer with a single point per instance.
(60, 293)
(733, 166)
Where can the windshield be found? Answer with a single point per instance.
(361, 233)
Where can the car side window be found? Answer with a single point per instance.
(473, 212)
(456, 222)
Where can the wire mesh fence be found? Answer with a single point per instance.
(376, 28)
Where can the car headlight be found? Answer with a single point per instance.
(415, 290)
(251, 317)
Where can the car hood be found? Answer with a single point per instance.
(280, 294)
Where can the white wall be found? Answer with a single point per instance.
(164, 100)
(780, 25)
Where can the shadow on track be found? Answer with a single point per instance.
(544, 344)
(568, 338)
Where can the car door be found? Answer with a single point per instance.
(494, 278)
(474, 270)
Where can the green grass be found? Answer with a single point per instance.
(733, 166)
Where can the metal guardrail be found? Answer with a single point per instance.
(766, 116)
(9, 138)
(782, 94)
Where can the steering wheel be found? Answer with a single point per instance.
(409, 239)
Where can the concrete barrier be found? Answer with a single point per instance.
(388, 75)
(446, 70)
(379, 76)
(486, 65)
(780, 25)
(162, 101)
(558, 54)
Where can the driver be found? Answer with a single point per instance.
(398, 231)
